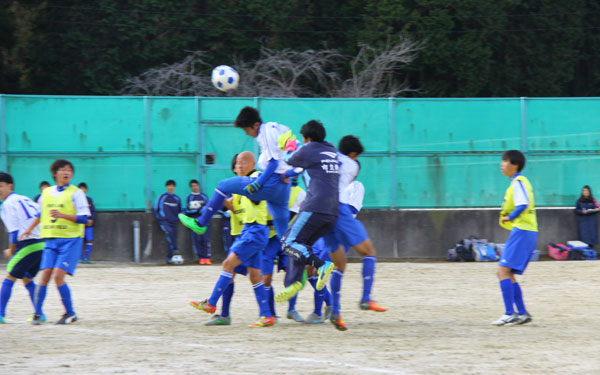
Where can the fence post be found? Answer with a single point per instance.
(201, 151)
(392, 151)
(148, 151)
(524, 133)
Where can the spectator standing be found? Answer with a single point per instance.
(194, 203)
(43, 185)
(88, 234)
(166, 209)
(587, 220)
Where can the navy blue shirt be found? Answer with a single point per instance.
(92, 209)
(194, 203)
(321, 176)
(167, 207)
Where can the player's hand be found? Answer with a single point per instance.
(584, 211)
(8, 253)
(56, 213)
(252, 188)
(24, 234)
(89, 223)
(505, 219)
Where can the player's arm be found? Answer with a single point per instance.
(520, 199)
(229, 204)
(259, 182)
(12, 244)
(82, 210)
(27, 232)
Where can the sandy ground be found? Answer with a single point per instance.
(136, 320)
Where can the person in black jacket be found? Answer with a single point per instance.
(587, 220)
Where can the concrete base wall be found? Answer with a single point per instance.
(396, 234)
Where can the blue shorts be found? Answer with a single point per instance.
(271, 252)
(88, 235)
(25, 262)
(63, 253)
(348, 230)
(518, 250)
(249, 245)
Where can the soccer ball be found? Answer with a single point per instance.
(225, 78)
(177, 259)
(194, 205)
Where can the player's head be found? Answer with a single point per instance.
(170, 184)
(313, 131)
(513, 161)
(245, 163)
(43, 185)
(6, 185)
(249, 120)
(195, 185)
(350, 146)
(83, 186)
(62, 171)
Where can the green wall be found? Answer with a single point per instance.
(419, 152)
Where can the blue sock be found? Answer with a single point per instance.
(326, 296)
(31, 289)
(40, 296)
(519, 299)
(227, 295)
(5, 295)
(214, 204)
(292, 303)
(336, 287)
(271, 297)
(65, 295)
(319, 295)
(88, 249)
(508, 295)
(368, 274)
(261, 298)
(220, 286)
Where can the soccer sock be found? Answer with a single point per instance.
(508, 295)
(31, 289)
(220, 286)
(318, 295)
(88, 249)
(292, 303)
(336, 287)
(271, 297)
(65, 295)
(5, 295)
(261, 298)
(214, 204)
(326, 296)
(519, 299)
(368, 273)
(227, 295)
(40, 296)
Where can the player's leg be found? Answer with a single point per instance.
(66, 264)
(49, 259)
(89, 243)
(224, 280)
(5, 294)
(204, 246)
(367, 251)
(168, 230)
(266, 318)
(339, 259)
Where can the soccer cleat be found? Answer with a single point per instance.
(522, 319)
(506, 320)
(42, 318)
(67, 319)
(85, 261)
(372, 305)
(205, 261)
(338, 322)
(324, 272)
(2, 320)
(294, 315)
(327, 313)
(204, 306)
(263, 321)
(191, 223)
(314, 319)
(218, 320)
(36, 320)
(289, 292)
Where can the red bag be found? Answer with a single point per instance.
(558, 251)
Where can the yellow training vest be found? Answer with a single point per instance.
(59, 227)
(254, 213)
(236, 220)
(528, 219)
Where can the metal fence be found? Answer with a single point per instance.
(420, 153)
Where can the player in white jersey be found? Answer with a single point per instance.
(18, 212)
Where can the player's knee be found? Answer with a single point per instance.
(267, 279)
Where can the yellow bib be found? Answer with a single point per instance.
(254, 213)
(59, 227)
(528, 219)
(236, 223)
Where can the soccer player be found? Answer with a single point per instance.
(269, 186)
(194, 203)
(88, 236)
(517, 215)
(166, 209)
(64, 213)
(43, 185)
(18, 212)
(318, 213)
(246, 250)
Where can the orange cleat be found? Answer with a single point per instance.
(338, 322)
(207, 262)
(204, 306)
(263, 321)
(372, 305)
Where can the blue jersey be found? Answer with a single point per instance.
(321, 176)
(167, 207)
(194, 203)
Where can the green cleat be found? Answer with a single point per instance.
(324, 273)
(191, 223)
(289, 292)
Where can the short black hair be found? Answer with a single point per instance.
(233, 162)
(247, 117)
(5, 177)
(313, 130)
(82, 185)
(515, 157)
(60, 163)
(194, 181)
(170, 182)
(350, 143)
(44, 183)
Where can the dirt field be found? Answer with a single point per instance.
(136, 320)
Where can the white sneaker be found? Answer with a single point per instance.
(506, 319)
(522, 319)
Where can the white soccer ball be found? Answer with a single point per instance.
(225, 78)
(194, 205)
(177, 259)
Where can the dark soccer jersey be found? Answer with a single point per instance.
(321, 176)
(92, 209)
(194, 203)
(167, 207)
